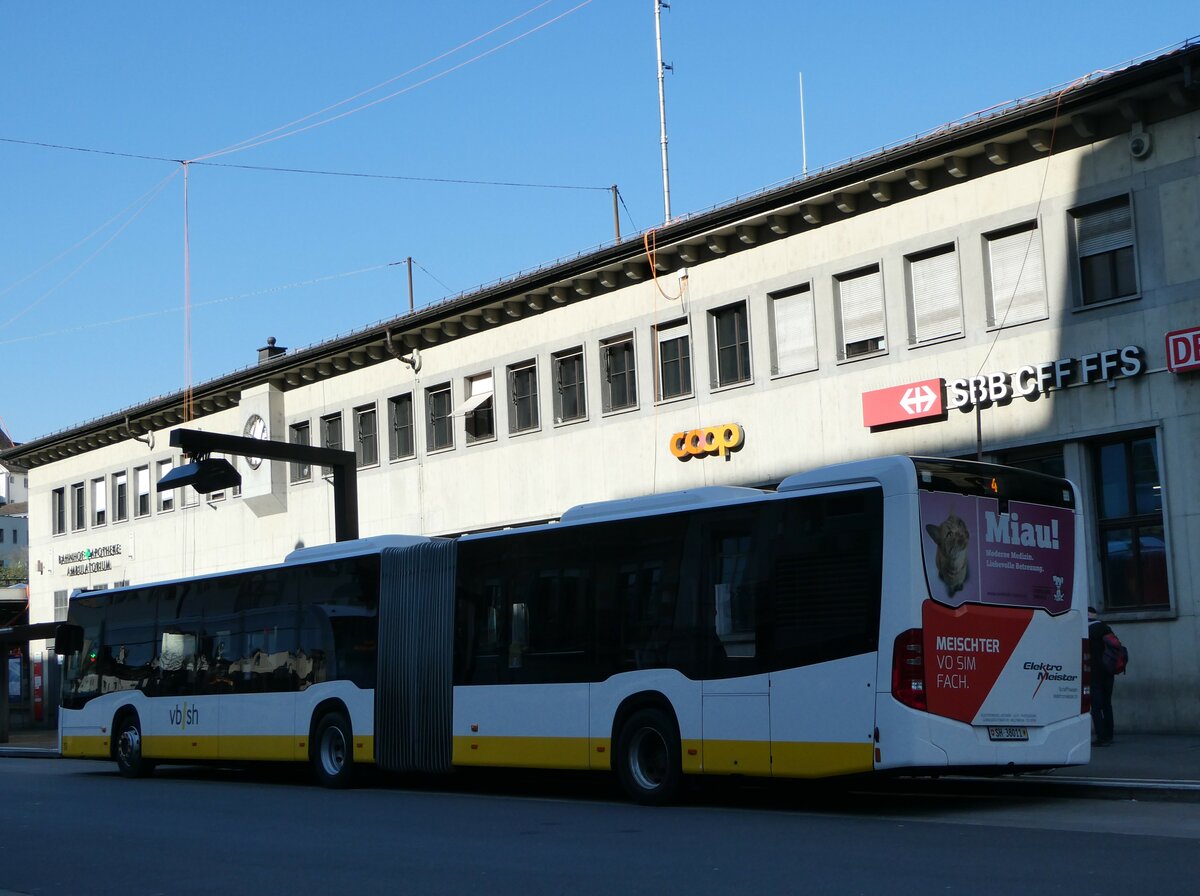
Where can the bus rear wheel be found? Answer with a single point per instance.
(649, 758)
(333, 751)
(127, 748)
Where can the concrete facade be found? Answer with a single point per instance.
(1040, 167)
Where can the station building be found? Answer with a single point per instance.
(1021, 286)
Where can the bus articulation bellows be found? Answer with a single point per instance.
(907, 615)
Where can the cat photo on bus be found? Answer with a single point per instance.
(952, 539)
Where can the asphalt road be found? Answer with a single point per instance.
(76, 827)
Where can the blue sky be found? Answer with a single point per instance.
(92, 245)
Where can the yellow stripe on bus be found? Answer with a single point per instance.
(268, 748)
(783, 760)
(83, 746)
(821, 760)
(522, 752)
(737, 757)
(602, 750)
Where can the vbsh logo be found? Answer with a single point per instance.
(183, 716)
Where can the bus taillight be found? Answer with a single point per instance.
(1085, 692)
(908, 669)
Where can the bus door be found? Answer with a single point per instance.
(736, 693)
(253, 650)
(184, 719)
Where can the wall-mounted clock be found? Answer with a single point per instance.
(255, 428)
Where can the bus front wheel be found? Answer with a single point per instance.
(648, 757)
(127, 749)
(333, 751)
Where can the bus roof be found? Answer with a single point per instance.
(338, 549)
(688, 499)
(897, 474)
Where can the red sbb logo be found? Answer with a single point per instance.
(1183, 350)
(903, 404)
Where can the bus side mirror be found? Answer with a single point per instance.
(68, 639)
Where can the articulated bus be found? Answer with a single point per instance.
(900, 615)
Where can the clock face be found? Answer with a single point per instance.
(255, 428)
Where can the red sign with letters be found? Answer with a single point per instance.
(902, 404)
(1183, 350)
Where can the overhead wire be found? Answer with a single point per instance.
(650, 244)
(160, 312)
(628, 213)
(439, 282)
(254, 142)
(100, 152)
(276, 134)
(318, 171)
(244, 144)
(148, 199)
(405, 177)
(70, 249)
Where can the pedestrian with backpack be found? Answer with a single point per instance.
(1108, 659)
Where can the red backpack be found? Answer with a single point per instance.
(1116, 656)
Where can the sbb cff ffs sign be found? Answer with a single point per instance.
(1183, 350)
(902, 404)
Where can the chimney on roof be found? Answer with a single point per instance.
(269, 351)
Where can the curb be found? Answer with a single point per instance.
(1143, 789)
(29, 753)
(1128, 788)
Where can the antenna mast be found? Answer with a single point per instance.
(662, 108)
(803, 141)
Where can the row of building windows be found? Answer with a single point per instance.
(15, 536)
(108, 499)
(1016, 294)
(1103, 240)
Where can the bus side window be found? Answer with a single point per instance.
(825, 588)
(81, 679)
(269, 644)
(519, 626)
(643, 612)
(180, 627)
(490, 633)
(550, 607)
(733, 593)
(130, 641)
(221, 635)
(177, 661)
(316, 645)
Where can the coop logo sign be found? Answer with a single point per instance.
(718, 440)
(89, 560)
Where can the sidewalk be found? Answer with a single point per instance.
(1145, 764)
(42, 742)
(1138, 763)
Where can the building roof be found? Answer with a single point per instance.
(1099, 106)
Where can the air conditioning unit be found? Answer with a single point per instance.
(1139, 145)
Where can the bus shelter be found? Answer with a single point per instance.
(20, 636)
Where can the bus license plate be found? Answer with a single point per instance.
(1008, 733)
